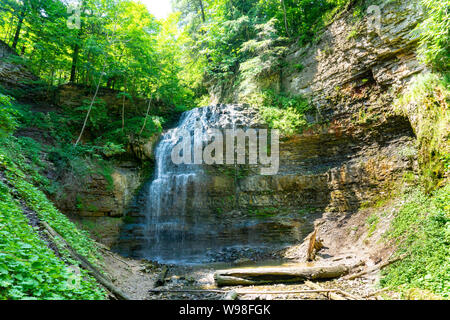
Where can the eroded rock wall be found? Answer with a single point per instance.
(358, 148)
(351, 53)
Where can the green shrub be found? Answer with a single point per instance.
(281, 111)
(8, 122)
(425, 102)
(421, 228)
(434, 35)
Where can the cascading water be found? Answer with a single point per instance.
(180, 220)
(169, 230)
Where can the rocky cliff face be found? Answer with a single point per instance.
(358, 147)
(351, 54)
(104, 195)
(16, 78)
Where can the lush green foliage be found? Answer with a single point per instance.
(426, 102)
(7, 120)
(421, 228)
(281, 111)
(225, 34)
(434, 34)
(239, 47)
(28, 268)
(117, 44)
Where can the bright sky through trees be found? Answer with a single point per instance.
(159, 8)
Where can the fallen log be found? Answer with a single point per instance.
(186, 291)
(84, 263)
(255, 276)
(232, 295)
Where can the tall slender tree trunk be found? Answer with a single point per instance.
(90, 108)
(202, 8)
(110, 40)
(123, 105)
(19, 28)
(285, 18)
(73, 71)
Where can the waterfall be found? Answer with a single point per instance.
(193, 213)
(177, 197)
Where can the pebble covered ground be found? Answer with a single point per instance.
(137, 277)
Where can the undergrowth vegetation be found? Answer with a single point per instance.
(421, 229)
(425, 102)
(28, 268)
(434, 35)
(281, 111)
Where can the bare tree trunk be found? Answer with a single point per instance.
(19, 28)
(123, 105)
(73, 71)
(85, 264)
(202, 8)
(146, 116)
(285, 18)
(90, 108)
(257, 276)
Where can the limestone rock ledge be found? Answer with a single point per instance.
(103, 194)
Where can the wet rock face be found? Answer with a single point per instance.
(144, 149)
(103, 195)
(322, 170)
(319, 171)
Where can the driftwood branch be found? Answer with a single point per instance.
(315, 244)
(257, 276)
(336, 294)
(84, 263)
(161, 277)
(112, 255)
(375, 268)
